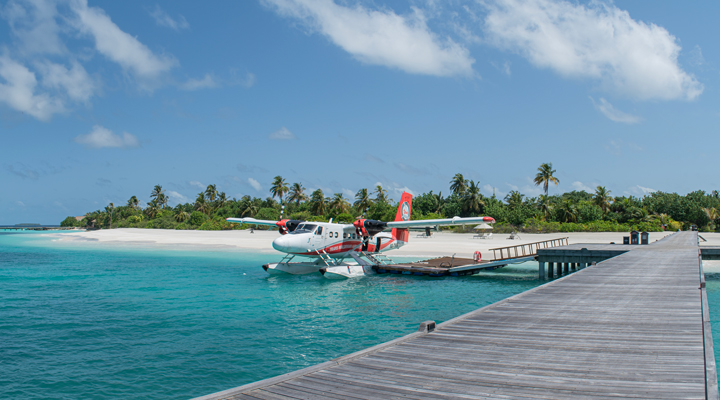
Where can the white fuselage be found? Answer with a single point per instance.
(313, 239)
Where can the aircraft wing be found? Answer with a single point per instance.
(252, 221)
(440, 222)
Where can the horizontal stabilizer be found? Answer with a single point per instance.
(440, 222)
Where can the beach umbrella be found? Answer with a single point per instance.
(484, 225)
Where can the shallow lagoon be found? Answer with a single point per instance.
(89, 320)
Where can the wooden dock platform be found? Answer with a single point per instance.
(634, 326)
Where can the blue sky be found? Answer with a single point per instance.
(102, 100)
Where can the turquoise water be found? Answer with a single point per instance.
(86, 321)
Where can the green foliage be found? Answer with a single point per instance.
(344, 218)
(197, 218)
(432, 215)
(589, 212)
(569, 212)
(381, 211)
(71, 222)
(271, 214)
(452, 207)
(216, 224)
(302, 215)
(535, 226)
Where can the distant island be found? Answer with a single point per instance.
(575, 211)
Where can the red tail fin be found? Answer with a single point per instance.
(404, 208)
(403, 214)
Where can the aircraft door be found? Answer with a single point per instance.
(317, 238)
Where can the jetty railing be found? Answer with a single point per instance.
(527, 249)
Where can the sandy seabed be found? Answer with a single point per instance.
(440, 244)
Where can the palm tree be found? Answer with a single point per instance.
(438, 204)
(362, 201)
(90, 219)
(153, 209)
(339, 203)
(297, 193)
(602, 198)
(158, 194)
(544, 206)
(181, 215)
(222, 199)
(381, 195)
(568, 211)
(712, 214)
(514, 199)
(133, 203)
(458, 185)
(279, 188)
(473, 200)
(545, 177)
(200, 203)
(211, 193)
(109, 210)
(247, 206)
(317, 202)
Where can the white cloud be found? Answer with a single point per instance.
(197, 185)
(598, 41)
(282, 134)
(18, 91)
(614, 114)
(33, 23)
(194, 84)
(579, 186)
(504, 68)
(20, 203)
(696, 56)
(74, 81)
(349, 193)
(646, 190)
(381, 37)
(101, 137)
(400, 190)
(117, 45)
(248, 82)
(163, 19)
(490, 190)
(176, 197)
(255, 184)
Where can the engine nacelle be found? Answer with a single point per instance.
(369, 227)
(287, 225)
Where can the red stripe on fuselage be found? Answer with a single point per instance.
(346, 247)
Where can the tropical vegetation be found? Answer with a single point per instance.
(567, 212)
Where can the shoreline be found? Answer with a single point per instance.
(441, 244)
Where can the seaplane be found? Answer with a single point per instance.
(331, 245)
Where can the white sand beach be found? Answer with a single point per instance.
(445, 243)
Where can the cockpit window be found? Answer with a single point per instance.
(319, 230)
(304, 228)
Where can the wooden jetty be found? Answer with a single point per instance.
(633, 326)
(456, 266)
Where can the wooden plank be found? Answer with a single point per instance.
(632, 326)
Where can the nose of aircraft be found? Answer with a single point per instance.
(281, 244)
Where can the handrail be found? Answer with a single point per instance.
(519, 250)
